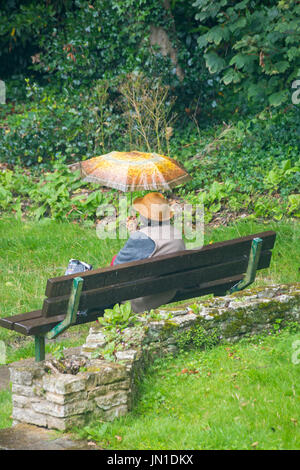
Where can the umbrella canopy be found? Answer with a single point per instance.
(134, 171)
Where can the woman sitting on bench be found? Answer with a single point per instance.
(156, 237)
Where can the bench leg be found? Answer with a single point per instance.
(39, 348)
(252, 266)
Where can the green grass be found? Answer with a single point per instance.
(244, 396)
(5, 409)
(285, 266)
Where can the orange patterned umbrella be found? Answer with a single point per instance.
(133, 171)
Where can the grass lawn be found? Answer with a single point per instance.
(31, 252)
(244, 396)
(5, 408)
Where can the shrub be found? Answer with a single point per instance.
(197, 337)
(59, 194)
(252, 46)
(78, 126)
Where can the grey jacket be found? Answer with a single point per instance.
(148, 242)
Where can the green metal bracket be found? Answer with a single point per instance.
(39, 343)
(70, 318)
(255, 251)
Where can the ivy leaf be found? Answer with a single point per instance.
(276, 99)
(202, 41)
(241, 5)
(240, 23)
(231, 76)
(292, 53)
(240, 60)
(255, 91)
(217, 34)
(214, 62)
(280, 67)
(294, 203)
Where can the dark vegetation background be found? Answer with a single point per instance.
(209, 83)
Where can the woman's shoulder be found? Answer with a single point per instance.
(138, 235)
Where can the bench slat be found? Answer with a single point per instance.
(6, 323)
(37, 326)
(219, 287)
(42, 325)
(216, 253)
(142, 287)
(9, 322)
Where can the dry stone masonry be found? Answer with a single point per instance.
(105, 389)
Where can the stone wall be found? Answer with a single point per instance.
(107, 389)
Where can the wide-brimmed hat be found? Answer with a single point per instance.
(153, 206)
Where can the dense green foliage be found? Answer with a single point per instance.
(250, 168)
(250, 46)
(84, 78)
(72, 43)
(253, 45)
(36, 131)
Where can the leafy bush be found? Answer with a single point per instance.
(21, 25)
(250, 48)
(78, 126)
(245, 150)
(280, 177)
(252, 45)
(60, 194)
(114, 321)
(70, 44)
(98, 40)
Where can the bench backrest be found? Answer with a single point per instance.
(212, 269)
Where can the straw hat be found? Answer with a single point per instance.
(153, 206)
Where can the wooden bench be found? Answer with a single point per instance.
(218, 269)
